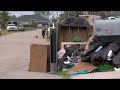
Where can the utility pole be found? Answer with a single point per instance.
(68, 14)
(57, 16)
(57, 13)
(75, 13)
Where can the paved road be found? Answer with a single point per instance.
(15, 56)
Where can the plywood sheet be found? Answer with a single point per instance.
(39, 61)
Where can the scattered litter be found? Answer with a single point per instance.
(65, 70)
(69, 58)
(98, 49)
(61, 53)
(69, 66)
(77, 73)
(109, 56)
(117, 69)
(66, 62)
(36, 36)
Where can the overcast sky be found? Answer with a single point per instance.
(19, 13)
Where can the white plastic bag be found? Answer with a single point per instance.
(61, 53)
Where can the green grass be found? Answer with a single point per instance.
(4, 32)
(63, 74)
(104, 68)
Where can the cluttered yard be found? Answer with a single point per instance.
(86, 47)
(77, 48)
(89, 47)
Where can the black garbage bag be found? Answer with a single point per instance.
(73, 48)
(116, 60)
(104, 52)
(96, 43)
(102, 40)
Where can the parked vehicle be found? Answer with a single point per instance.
(11, 27)
(21, 28)
(12, 22)
(39, 26)
(111, 18)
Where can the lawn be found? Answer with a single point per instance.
(62, 73)
(4, 32)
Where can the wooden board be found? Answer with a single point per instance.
(67, 34)
(39, 58)
(82, 66)
(63, 44)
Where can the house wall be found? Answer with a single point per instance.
(38, 22)
(24, 22)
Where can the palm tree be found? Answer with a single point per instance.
(4, 17)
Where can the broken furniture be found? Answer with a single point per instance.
(39, 57)
(70, 55)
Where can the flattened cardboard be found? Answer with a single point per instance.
(82, 66)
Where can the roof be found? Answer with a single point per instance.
(75, 21)
(29, 17)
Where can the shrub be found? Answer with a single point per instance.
(104, 67)
(26, 25)
(76, 39)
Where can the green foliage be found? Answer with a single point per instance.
(76, 39)
(26, 25)
(13, 17)
(104, 67)
(63, 74)
(4, 17)
(31, 26)
(66, 14)
(33, 23)
(4, 32)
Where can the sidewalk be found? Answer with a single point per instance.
(99, 75)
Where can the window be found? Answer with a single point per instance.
(11, 25)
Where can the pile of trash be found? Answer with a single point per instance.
(101, 51)
(79, 61)
(70, 55)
